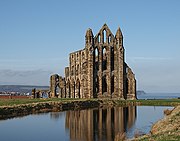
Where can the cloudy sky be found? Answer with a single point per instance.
(36, 37)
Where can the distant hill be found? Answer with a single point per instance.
(28, 88)
(141, 92)
(20, 88)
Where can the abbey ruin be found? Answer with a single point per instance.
(97, 71)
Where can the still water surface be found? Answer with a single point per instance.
(82, 125)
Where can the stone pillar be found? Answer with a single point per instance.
(33, 93)
(72, 89)
(131, 94)
(109, 71)
(90, 73)
(116, 67)
(121, 72)
(100, 71)
(54, 79)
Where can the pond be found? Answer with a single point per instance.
(99, 124)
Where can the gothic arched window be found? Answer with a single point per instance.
(104, 36)
(104, 61)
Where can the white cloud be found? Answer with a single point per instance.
(31, 77)
(149, 58)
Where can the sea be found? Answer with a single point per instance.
(158, 96)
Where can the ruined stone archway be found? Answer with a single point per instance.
(112, 58)
(104, 84)
(104, 59)
(68, 89)
(73, 89)
(96, 59)
(112, 85)
(57, 90)
(96, 87)
(54, 81)
(78, 89)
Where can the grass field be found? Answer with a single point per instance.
(165, 102)
(10, 102)
(162, 102)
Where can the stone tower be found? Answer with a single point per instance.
(98, 70)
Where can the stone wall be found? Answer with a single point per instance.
(98, 70)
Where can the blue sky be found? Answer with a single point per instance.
(36, 37)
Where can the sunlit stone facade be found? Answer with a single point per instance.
(97, 71)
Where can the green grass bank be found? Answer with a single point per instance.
(166, 129)
(163, 102)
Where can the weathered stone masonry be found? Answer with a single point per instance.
(97, 71)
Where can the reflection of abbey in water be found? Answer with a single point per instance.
(98, 70)
(100, 124)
